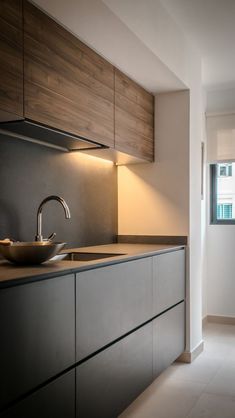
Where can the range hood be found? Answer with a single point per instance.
(33, 131)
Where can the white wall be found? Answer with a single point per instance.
(204, 216)
(195, 244)
(154, 198)
(220, 238)
(221, 270)
(204, 241)
(150, 21)
(221, 101)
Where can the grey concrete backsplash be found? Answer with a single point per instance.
(30, 172)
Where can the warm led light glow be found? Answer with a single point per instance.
(86, 157)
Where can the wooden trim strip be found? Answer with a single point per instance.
(220, 319)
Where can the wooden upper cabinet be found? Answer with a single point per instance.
(67, 85)
(134, 118)
(49, 76)
(11, 60)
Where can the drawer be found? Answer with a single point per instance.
(168, 338)
(168, 280)
(37, 328)
(55, 400)
(111, 301)
(111, 380)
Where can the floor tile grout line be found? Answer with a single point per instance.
(188, 416)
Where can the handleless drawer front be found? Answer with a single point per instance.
(168, 280)
(108, 382)
(168, 338)
(37, 326)
(110, 302)
(56, 400)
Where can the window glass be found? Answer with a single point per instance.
(224, 210)
(225, 170)
(223, 193)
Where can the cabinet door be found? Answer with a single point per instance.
(111, 380)
(37, 328)
(67, 85)
(134, 113)
(111, 301)
(168, 338)
(56, 400)
(168, 280)
(11, 60)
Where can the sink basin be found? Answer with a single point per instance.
(81, 256)
(26, 253)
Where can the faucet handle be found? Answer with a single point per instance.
(51, 237)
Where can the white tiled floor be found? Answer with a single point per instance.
(203, 389)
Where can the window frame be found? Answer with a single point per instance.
(213, 200)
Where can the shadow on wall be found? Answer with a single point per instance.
(30, 172)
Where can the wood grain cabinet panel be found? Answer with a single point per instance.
(67, 85)
(111, 380)
(37, 328)
(111, 301)
(55, 400)
(134, 115)
(11, 60)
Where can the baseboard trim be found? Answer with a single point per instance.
(220, 319)
(190, 356)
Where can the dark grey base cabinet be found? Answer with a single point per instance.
(55, 400)
(110, 381)
(116, 328)
(168, 280)
(37, 325)
(168, 338)
(110, 302)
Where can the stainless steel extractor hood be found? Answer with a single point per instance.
(33, 131)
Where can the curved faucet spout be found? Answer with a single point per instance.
(59, 199)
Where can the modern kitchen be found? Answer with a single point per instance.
(116, 168)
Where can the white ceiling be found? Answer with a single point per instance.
(211, 26)
(124, 29)
(99, 27)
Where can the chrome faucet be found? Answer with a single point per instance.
(59, 199)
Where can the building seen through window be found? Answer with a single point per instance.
(225, 170)
(223, 193)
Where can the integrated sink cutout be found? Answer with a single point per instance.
(76, 256)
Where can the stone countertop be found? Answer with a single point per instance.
(11, 274)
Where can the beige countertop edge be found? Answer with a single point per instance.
(12, 275)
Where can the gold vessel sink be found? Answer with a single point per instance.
(26, 253)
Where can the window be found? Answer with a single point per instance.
(223, 193)
(224, 211)
(225, 170)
